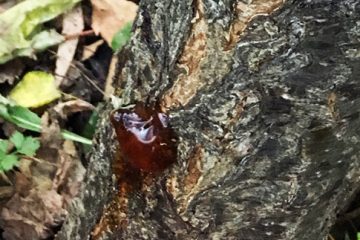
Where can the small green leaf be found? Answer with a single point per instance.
(17, 139)
(24, 118)
(121, 37)
(4, 112)
(4, 144)
(8, 162)
(29, 146)
(90, 126)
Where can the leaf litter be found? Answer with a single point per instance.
(73, 23)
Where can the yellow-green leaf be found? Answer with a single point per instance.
(35, 89)
(21, 31)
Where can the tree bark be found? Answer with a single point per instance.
(264, 96)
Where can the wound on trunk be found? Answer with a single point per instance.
(146, 140)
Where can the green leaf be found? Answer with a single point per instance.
(17, 139)
(21, 33)
(24, 118)
(74, 137)
(121, 37)
(4, 112)
(4, 144)
(90, 126)
(8, 162)
(29, 146)
(36, 89)
(21, 117)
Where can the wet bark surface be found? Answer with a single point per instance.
(264, 97)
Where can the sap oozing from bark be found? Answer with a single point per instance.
(146, 141)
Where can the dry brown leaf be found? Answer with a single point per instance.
(6, 191)
(73, 182)
(72, 106)
(70, 173)
(65, 164)
(50, 134)
(44, 187)
(5, 178)
(73, 23)
(109, 16)
(10, 71)
(8, 128)
(24, 167)
(90, 50)
(32, 217)
(23, 184)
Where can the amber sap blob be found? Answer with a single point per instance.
(146, 140)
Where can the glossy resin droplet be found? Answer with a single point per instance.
(146, 140)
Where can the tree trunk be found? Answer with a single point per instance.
(264, 96)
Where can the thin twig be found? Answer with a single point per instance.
(330, 237)
(81, 34)
(82, 73)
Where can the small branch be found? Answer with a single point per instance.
(81, 34)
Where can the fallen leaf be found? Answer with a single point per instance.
(24, 166)
(35, 89)
(11, 71)
(109, 16)
(50, 134)
(73, 23)
(90, 50)
(73, 182)
(45, 187)
(6, 192)
(66, 162)
(20, 27)
(5, 178)
(33, 216)
(72, 106)
(22, 183)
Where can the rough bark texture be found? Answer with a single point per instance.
(264, 96)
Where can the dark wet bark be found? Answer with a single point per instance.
(268, 121)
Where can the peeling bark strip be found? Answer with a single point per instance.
(245, 12)
(188, 83)
(264, 96)
(199, 48)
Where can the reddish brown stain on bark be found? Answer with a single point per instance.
(145, 138)
(146, 146)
